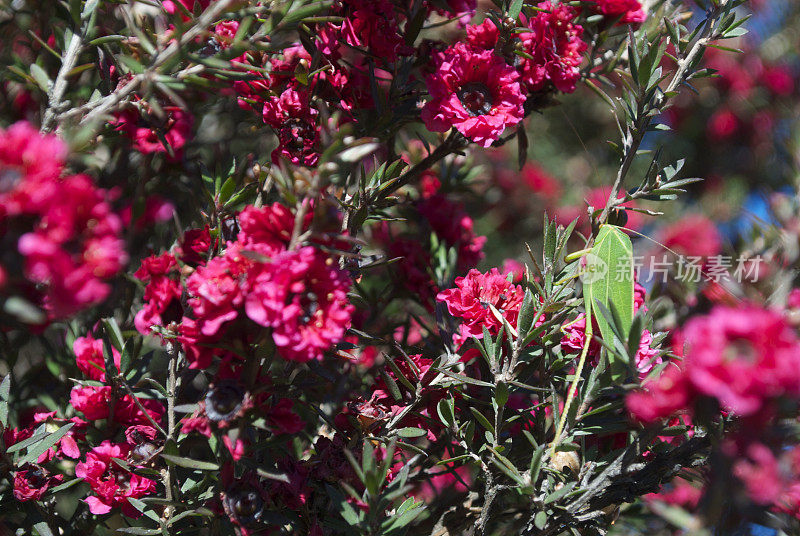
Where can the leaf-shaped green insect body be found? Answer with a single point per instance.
(608, 281)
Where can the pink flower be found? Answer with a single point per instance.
(551, 41)
(161, 295)
(66, 236)
(270, 226)
(474, 91)
(742, 356)
(723, 124)
(32, 482)
(68, 444)
(127, 411)
(541, 182)
(30, 165)
(554, 42)
(678, 492)
(148, 137)
(692, 235)
(219, 289)
(574, 338)
(302, 295)
(464, 10)
(195, 246)
(631, 11)
(779, 80)
(89, 357)
(761, 474)
(282, 419)
(111, 484)
(171, 6)
(646, 357)
(295, 122)
(93, 402)
(473, 295)
(794, 299)
(156, 210)
(372, 24)
(668, 394)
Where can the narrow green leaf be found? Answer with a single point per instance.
(42, 528)
(42, 446)
(192, 464)
(557, 494)
(515, 9)
(394, 390)
(481, 418)
(41, 77)
(5, 388)
(411, 432)
(465, 379)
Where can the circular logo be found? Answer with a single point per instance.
(592, 269)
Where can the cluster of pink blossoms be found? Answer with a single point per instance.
(300, 294)
(481, 92)
(111, 484)
(61, 238)
(745, 358)
(478, 299)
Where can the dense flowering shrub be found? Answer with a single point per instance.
(281, 268)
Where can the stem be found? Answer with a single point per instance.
(70, 58)
(637, 132)
(171, 394)
(94, 110)
(574, 386)
(446, 148)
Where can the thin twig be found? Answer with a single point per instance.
(643, 118)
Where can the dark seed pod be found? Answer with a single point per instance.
(244, 504)
(224, 401)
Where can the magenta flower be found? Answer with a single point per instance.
(473, 295)
(111, 484)
(89, 357)
(554, 42)
(32, 482)
(302, 295)
(474, 91)
(631, 11)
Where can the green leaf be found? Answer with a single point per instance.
(48, 441)
(515, 9)
(41, 77)
(141, 531)
(394, 390)
(445, 410)
(65, 485)
(536, 463)
(482, 419)
(192, 464)
(501, 394)
(42, 528)
(557, 494)
(411, 432)
(24, 311)
(465, 379)
(114, 333)
(609, 281)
